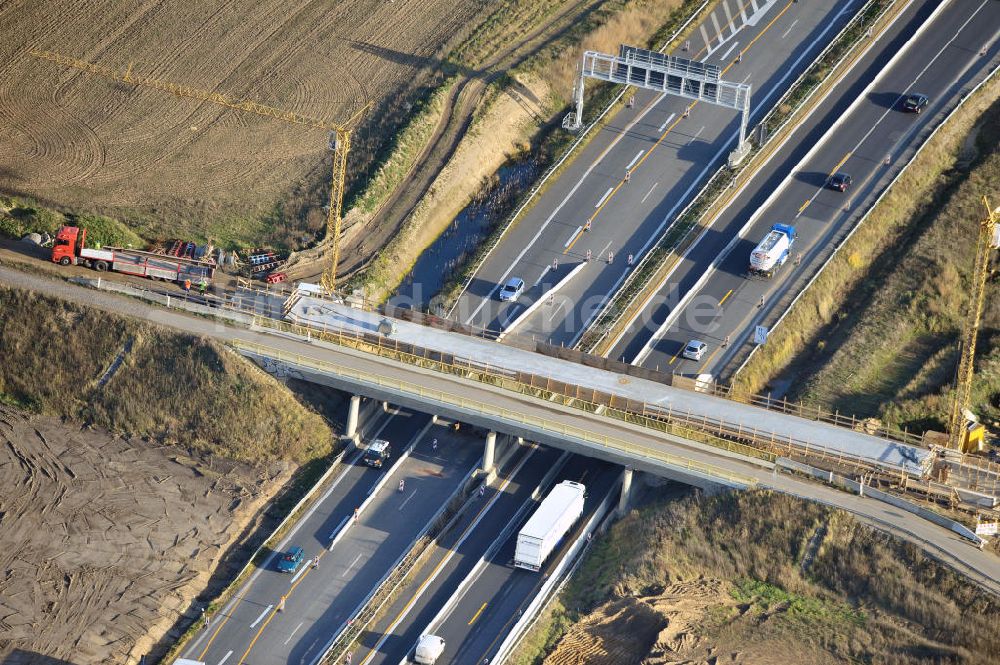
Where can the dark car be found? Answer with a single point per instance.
(840, 181)
(290, 560)
(377, 453)
(915, 103)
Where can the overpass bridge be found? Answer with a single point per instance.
(636, 417)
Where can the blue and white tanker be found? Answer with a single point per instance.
(772, 252)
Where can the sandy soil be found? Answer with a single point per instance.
(80, 140)
(105, 542)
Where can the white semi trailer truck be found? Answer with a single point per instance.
(551, 522)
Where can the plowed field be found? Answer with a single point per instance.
(105, 542)
(76, 140)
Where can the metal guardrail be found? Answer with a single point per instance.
(485, 408)
(762, 444)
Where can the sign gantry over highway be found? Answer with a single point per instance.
(662, 73)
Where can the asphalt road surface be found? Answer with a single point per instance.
(455, 555)
(871, 141)
(669, 156)
(318, 601)
(490, 605)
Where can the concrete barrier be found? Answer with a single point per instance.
(891, 499)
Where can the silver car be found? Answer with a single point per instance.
(695, 349)
(512, 290)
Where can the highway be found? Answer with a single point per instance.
(251, 629)
(860, 128)
(669, 156)
(455, 555)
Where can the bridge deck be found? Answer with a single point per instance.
(890, 454)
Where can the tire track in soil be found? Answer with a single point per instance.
(456, 118)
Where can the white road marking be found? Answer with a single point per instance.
(786, 33)
(290, 636)
(704, 35)
(547, 269)
(718, 29)
(302, 569)
(743, 11)
(601, 253)
(339, 527)
(511, 315)
(552, 215)
(666, 122)
(729, 50)
(696, 135)
(262, 615)
(556, 310)
(226, 657)
(747, 78)
(649, 192)
(729, 16)
(572, 237)
(753, 3)
(605, 197)
(406, 500)
(634, 160)
(348, 569)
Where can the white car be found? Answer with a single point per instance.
(695, 349)
(512, 290)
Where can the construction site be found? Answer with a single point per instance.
(238, 242)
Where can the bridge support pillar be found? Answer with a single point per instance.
(626, 491)
(351, 431)
(489, 452)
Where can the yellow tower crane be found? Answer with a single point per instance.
(960, 436)
(340, 135)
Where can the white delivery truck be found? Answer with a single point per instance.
(429, 649)
(557, 514)
(772, 251)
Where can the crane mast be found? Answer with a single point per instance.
(985, 244)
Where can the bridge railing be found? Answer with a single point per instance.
(539, 424)
(733, 437)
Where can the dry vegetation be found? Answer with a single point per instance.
(877, 333)
(170, 166)
(169, 388)
(761, 578)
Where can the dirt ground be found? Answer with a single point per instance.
(81, 141)
(106, 542)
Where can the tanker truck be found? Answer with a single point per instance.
(70, 248)
(772, 252)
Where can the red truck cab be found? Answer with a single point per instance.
(69, 240)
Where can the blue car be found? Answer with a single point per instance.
(290, 560)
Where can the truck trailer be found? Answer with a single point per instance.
(70, 248)
(772, 252)
(551, 522)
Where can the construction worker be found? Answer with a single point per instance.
(187, 285)
(202, 286)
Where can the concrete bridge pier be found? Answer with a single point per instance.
(351, 431)
(489, 452)
(626, 491)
